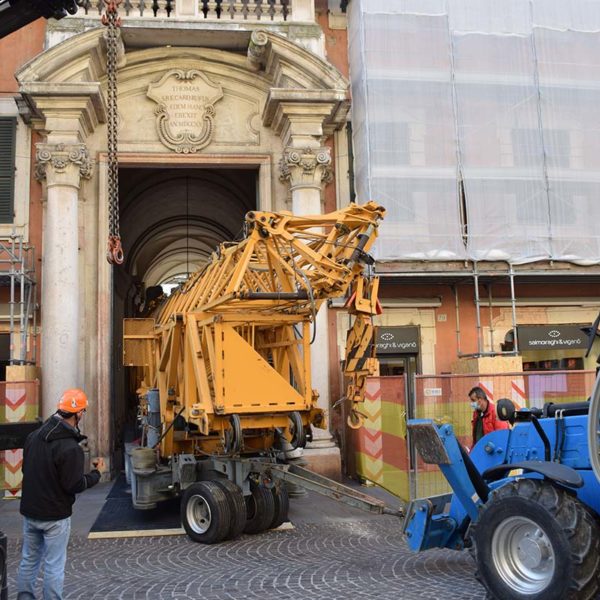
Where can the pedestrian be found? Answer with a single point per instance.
(52, 475)
(485, 419)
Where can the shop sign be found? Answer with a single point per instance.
(432, 392)
(556, 337)
(397, 340)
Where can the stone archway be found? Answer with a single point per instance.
(273, 106)
(172, 220)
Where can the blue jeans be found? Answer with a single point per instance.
(47, 540)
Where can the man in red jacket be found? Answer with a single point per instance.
(485, 419)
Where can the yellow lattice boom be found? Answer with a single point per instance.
(230, 351)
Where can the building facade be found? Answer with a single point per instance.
(222, 108)
(474, 124)
(466, 122)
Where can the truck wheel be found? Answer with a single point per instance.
(260, 508)
(237, 507)
(282, 505)
(205, 513)
(534, 541)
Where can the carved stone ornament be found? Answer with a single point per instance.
(59, 157)
(306, 167)
(257, 49)
(186, 109)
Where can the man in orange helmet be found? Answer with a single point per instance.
(52, 475)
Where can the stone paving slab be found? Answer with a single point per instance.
(342, 559)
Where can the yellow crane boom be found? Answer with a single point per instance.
(229, 352)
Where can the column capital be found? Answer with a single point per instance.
(62, 164)
(306, 168)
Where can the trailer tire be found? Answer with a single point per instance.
(535, 541)
(237, 507)
(205, 513)
(282, 505)
(260, 508)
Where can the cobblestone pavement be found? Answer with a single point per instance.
(354, 558)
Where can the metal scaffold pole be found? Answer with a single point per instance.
(17, 273)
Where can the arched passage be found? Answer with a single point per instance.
(171, 220)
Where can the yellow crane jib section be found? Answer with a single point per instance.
(229, 351)
(360, 361)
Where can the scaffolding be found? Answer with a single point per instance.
(17, 273)
(483, 277)
(475, 123)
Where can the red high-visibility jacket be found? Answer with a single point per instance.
(491, 422)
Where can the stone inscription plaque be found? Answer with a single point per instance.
(186, 109)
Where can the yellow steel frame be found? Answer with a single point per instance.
(235, 339)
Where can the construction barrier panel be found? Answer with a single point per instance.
(383, 453)
(19, 401)
(444, 398)
(380, 445)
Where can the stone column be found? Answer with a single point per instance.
(62, 166)
(307, 170)
(303, 119)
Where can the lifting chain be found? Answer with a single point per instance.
(111, 19)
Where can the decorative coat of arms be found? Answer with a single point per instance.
(186, 109)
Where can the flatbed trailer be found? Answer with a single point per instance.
(221, 497)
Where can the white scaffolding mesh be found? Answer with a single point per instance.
(475, 123)
(404, 133)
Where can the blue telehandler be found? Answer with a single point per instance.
(525, 501)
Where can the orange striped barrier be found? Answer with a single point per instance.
(19, 401)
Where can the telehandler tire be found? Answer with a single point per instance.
(205, 513)
(535, 541)
(237, 507)
(282, 505)
(260, 508)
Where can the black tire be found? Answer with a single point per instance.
(234, 440)
(237, 507)
(260, 508)
(282, 505)
(555, 544)
(205, 513)
(297, 430)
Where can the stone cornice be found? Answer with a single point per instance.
(79, 58)
(86, 99)
(287, 60)
(334, 102)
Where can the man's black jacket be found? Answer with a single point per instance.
(53, 471)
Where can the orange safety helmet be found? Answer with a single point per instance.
(73, 401)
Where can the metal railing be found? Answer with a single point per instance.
(382, 448)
